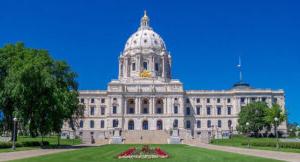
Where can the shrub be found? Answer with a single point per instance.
(293, 145)
(9, 145)
(24, 144)
(35, 143)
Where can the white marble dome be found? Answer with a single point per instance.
(145, 38)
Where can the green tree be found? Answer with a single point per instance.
(275, 112)
(40, 91)
(254, 114)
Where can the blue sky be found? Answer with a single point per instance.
(205, 39)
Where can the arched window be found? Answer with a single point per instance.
(175, 124)
(145, 65)
(145, 125)
(115, 123)
(188, 124)
(131, 125)
(92, 124)
(198, 124)
(102, 124)
(81, 124)
(159, 125)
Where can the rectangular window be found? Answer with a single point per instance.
(219, 123)
(82, 100)
(156, 67)
(145, 65)
(102, 124)
(145, 110)
(102, 100)
(198, 124)
(219, 110)
(198, 110)
(242, 100)
(187, 100)
(228, 100)
(92, 100)
(253, 99)
(188, 111)
(133, 66)
(228, 110)
(218, 100)
(207, 100)
(131, 110)
(158, 110)
(102, 110)
(92, 110)
(198, 100)
(175, 109)
(208, 124)
(208, 110)
(264, 99)
(114, 109)
(274, 100)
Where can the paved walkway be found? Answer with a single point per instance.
(30, 153)
(277, 155)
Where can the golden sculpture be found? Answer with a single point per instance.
(145, 74)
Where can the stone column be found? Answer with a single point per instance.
(163, 66)
(125, 106)
(152, 106)
(136, 105)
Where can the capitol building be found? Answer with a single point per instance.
(145, 104)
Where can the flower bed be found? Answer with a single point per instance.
(144, 153)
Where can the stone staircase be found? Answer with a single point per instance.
(146, 137)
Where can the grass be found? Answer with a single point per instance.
(17, 149)
(237, 141)
(178, 153)
(51, 139)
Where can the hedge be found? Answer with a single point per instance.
(24, 144)
(293, 145)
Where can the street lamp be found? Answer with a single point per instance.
(276, 133)
(14, 134)
(247, 128)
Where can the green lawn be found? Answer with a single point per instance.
(52, 140)
(178, 153)
(237, 141)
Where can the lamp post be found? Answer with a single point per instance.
(276, 133)
(14, 134)
(247, 128)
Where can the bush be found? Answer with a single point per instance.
(35, 143)
(9, 145)
(24, 144)
(292, 145)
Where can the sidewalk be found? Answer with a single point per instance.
(30, 153)
(277, 155)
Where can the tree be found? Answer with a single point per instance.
(253, 113)
(40, 91)
(275, 112)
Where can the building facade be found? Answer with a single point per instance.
(146, 98)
